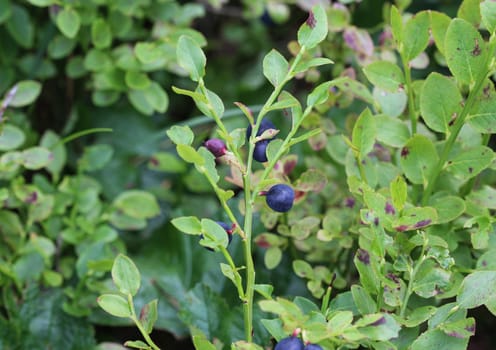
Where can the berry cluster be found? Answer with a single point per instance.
(260, 152)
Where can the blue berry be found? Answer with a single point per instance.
(280, 198)
(216, 146)
(289, 343)
(260, 151)
(265, 124)
(313, 347)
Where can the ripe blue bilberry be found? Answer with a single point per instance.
(280, 197)
(289, 343)
(259, 154)
(216, 146)
(265, 124)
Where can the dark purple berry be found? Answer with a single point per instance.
(290, 343)
(313, 347)
(216, 146)
(265, 124)
(260, 151)
(280, 197)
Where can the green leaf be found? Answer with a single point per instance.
(383, 329)
(363, 301)
(167, 162)
(488, 14)
(208, 165)
(36, 158)
(354, 87)
(5, 10)
(367, 267)
(484, 197)
(272, 257)
(136, 344)
(188, 224)
(60, 46)
(320, 94)
(461, 329)
(275, 67)
(469, 10)
(96, 157)
(114, 305)
(306, 64)
(415, 218)
(420, 315)
(42, 3)
(27, 91)
(139, 101)
(203, 309)
(416, 35)
(448, 208)
(364, 133)
(396, 24)
(20, 26)
(477, 289)
(125, 275)
(439, 25)
(68, 21)
(147, 53)
(191, 57)
(11, 137)
(137, 80)
(392, 131)
(440, 102)
(40, 310)
(101, 36)
(201, 343)
(483, 115)
(437, 339)
(264, 290)
(214, 106)
(385, 75)
(418, 158)
(156, 97)
(399, 194)
(391, 104)
(137, 204)
(465, 51)
(315, 29)
(471, 162)
(214, 234)
(181, 135)
(190, 155)
(149, 315)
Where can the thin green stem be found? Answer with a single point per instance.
(223, 202)
(219, 123)
(409, 88)
(459, 122)
(237, 277)
(143, 332)
(413, 272)
(78, 135)
(250, 200)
